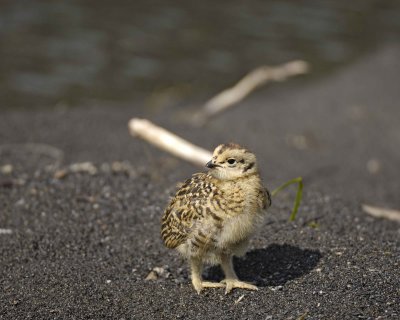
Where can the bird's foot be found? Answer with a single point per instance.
(200, 285)
(236, 283)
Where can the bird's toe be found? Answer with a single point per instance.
(200, 285)
(197, 286)
(230, 284)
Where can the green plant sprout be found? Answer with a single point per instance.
(299, 181)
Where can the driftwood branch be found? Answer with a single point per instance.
(246, 85)
(168, 141)
(185, 150)
(378, 212)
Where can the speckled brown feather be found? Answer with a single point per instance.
(266, 198)
(198, 198)
(201, 201)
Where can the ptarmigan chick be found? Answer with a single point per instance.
(214, 214)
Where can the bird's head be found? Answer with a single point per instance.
(231, 161)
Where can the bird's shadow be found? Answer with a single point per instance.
(271, 266)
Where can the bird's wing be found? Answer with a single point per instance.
(266, 198)
(190, 204)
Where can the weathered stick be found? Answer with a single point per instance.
(246, 85)
(168, 141)
(378, 212)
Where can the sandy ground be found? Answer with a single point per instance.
(81, 246)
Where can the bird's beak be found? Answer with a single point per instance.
(210, 165)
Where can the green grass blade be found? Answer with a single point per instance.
(299, 194)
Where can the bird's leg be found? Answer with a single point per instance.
(231, 280)
(196, 266)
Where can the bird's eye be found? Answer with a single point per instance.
(231, 161)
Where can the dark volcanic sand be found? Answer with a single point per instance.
(81, 246)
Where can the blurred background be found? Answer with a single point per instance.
(77, 53)
(73, 73)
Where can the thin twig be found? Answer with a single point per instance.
(246, 85)
(168, 141)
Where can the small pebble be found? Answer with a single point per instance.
(5, 231)
(6, 169)
(86, 167)
(60, 174)
(20, 203)
(151, 276)
(157, 272)
(276, 288)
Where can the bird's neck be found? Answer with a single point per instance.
(249, 182)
